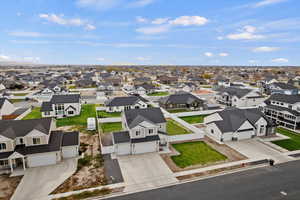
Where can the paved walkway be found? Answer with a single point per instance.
(145, 171)
(254, 149)
(38, 182)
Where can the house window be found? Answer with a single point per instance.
(21, 141)
(71, 112)
(150, 131)
(3, 162)
(36, 140)
(47, 113)
(2, 146)
(212, 131)
(137, 133)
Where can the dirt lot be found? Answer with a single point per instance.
(231, 155)
(8, 186)
(90, 170)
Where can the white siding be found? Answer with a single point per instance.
(36, 160)
(69, 151)
(145, 147)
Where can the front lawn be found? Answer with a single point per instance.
(104, 114)
(174, 128)
(195, 153)
(20, 94)
(194, 119)
(179, 110)
(34, 114)
(111, 127)
(291, 144)
(87, 110)
(158, 94)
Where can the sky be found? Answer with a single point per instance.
(165, 32)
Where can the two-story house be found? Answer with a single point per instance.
(238, 124)
(281, 88)
(145, 131)
(283, 109)
(33, 143)
(232, 96)
(62, 106)
(119, 104)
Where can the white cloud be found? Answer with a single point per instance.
(280, 60)
(141, 3)
(220, 38)
(267, 3)
(208, 54)
(189, 21)
(253, 61)
(100, 59)
(247, 33)
(99, 4)
(153, 29)
(265, 49)
(61, 20)
(4, 58)
(141, 19)
(159, 21)
(223, 54)
(32, 59)
(143, 58)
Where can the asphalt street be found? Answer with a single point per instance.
(267, 183)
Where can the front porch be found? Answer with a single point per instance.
(16, 164)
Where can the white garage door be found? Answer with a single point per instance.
(123, 149)
(144, 147)
(41, 160)
(69, 152)
(244, 135)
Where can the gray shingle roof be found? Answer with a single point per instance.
(291, 99)
(284, 86)
(146, 139)
(123, 101)
(121, 137)
(46, 106)
(233, 118)
(19, 128)
(233, 91)
(136, 116)
(183, 98)
(68, 98)
(70, 138)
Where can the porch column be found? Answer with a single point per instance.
(23, 159)
(10, 164)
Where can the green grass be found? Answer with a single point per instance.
(20, 94)
(159, 94)
(179, 110)
(16, 100)
(111, 127)
(291, 144)
(194, 119)
(173, 128)
(104, 114)
(195, 153)
(87, 110)
(34, 114)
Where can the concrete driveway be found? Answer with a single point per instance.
(145, 171)
(255, 149)
(38, 182)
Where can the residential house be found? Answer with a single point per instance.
(6, 107)
(238, 124)
(281, 88)
(145, 131)
(167, 80)
(119, 104)
(34, 143)
(232, 96)
(62, 106)
(181, 101)
(144, 88)
(284, 110)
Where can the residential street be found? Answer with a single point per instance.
(268, 183)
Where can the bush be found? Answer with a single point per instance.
(85, 161)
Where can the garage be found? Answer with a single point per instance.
(69, 152)
(145, 147)
(244, 134)
(123, 149)
(41, 159)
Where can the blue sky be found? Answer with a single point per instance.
(192, 32)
